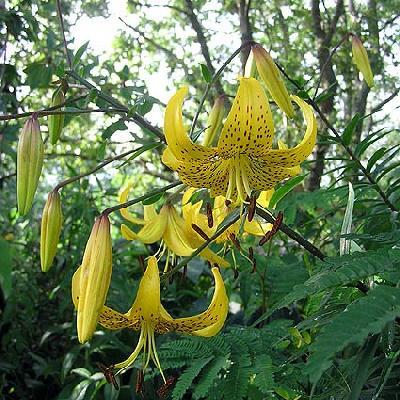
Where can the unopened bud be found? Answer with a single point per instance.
(29, 164)
(271, 76)
(250, 67)
(56, 121)
(52, 220)
(360, 59)
(93, 278)
(214, 121)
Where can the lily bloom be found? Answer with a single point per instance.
(167, 225)
(243, 159)
(148, 315)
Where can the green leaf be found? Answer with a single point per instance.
(206, 73)
(264, 379)
(375, 157)
(6, 267)
(185, 380)
(339, 271)
(351, 126)
(115, 126)
(139, 151)
(285, 189)
(344, 244)
(38, 75)
(368, 315)
(79, 54)
(153, 199)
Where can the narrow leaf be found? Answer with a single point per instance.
(351, 126)
(206, 73)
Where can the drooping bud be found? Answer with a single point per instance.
(360, 59)
(271, 76)
(52, 220)
(214, 121)
(250, 67)
(93, 280)
(29, 163)
(56, 121)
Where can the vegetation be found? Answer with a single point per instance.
(314, 310)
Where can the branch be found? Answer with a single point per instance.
(385, 101)
(339, 10)
(60, 16)
(95, 169)
(292, 234)
(180, 10)
(138, 119)
(202, 41)
(141, 198)
(369, 177)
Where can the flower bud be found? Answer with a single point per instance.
(94, 278)
(56, 121)
(52, 220)
(250, 68)
(214, 121)
(29, 164)
(271, 76)
(360, 59)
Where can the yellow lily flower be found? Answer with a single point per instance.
(222, 208)
(177, 237)
(244, 159)
(149, 316)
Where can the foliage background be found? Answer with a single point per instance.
(304, 334)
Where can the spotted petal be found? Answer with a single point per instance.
(249, 127)
(112, 319)
(289, 158)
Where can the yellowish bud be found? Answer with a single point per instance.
(52, 220)
(271, 76)
(29, 164)
(360, 59)
(94, 278)
(214, 121)
(56, 121)
(250, 69)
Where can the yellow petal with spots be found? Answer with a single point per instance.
(249, 127)
(175, 133)
(293, 157)
(283, 146)
(112, 319)
(215, 315)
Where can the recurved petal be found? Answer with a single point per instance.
(122, 198)
(175, 236)
(112, 319)
(262, 175)
(249, 127)
(256, 228)
(214, 258)
(152, 231)
(175, 133)
(288, 158)
(214, 316)
(211, 174)
(265, 197)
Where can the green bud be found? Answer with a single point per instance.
(52, 220)
(56, 121)
(91, 283)
(29, 164)
(214, 121)
(271, 76)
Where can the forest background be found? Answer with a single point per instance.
(311, 320)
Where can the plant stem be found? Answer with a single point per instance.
(141, 198)
(93, 170)
(60, 16)
(213, 80)
(292, 234)
(323, 117)
(138, 119)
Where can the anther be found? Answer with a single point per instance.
(200, 232)
(275, 227)
(234, 240)
(108, 374)
(252, 208)
(139, 381)
(210, 218)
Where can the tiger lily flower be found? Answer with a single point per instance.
(166, 226)
(148, 315)
(243, 159)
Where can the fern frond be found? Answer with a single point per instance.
(264, 379)
(366, 316)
